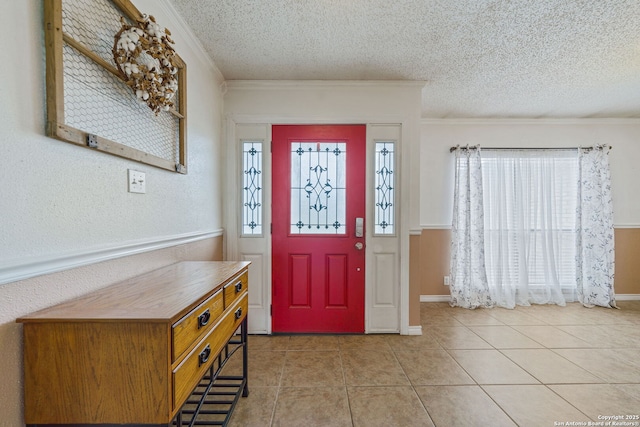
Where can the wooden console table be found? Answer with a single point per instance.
(145, 351)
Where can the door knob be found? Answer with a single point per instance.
(359, 246)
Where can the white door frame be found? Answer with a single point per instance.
(385, 312)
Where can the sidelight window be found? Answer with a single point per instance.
(252, 188)
(384, 211)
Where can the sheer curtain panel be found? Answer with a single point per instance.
(469, 288)
(530, 199)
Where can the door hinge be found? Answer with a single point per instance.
(271, 146)
(271, 231)
(271, 310)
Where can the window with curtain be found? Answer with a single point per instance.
(532, 226)
(530, 200)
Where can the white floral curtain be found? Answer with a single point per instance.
(469, 288)
(484, 243)
(594, 242)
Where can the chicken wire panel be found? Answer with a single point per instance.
(93, 23)
(98, 102)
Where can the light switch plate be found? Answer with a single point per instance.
(137, 181)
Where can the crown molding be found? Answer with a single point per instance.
(190, 38)
(531, 121)
(279, 84)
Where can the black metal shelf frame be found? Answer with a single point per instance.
(213, 400)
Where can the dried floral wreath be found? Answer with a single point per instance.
(145, 58)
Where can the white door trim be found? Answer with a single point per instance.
(237, 249)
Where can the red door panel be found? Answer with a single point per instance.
(336, 276)
(318, 192)
(300, 295)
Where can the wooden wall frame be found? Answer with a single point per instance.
(56, 127)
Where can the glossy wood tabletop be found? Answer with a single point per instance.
(148, 297)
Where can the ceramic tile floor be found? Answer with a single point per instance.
(533, 366)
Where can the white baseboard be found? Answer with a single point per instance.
(447, 298)
(414, 330)
(39, 266)
(435, 298)
(628, 297)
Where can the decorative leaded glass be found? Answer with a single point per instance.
(318, 187)
(384, 216)
(252, 188)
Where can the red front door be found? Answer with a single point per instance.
(318, 233)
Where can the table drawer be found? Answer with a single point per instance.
(235, 289)
(198, 322)
(188, 374)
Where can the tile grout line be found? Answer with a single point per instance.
(346, 389)
(275, 401)
(411, 384)
(568, 403)
(497, 404)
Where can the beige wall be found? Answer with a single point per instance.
(431, 249)
(627, 279)
(415, 280)
(433, 263)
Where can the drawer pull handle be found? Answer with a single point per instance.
(238, 313)
(203, 319)
(204, 355)
(238, 287)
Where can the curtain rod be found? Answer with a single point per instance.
(475, 147)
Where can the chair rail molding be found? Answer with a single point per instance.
(27, 268)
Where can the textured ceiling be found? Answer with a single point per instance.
(479, 58)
